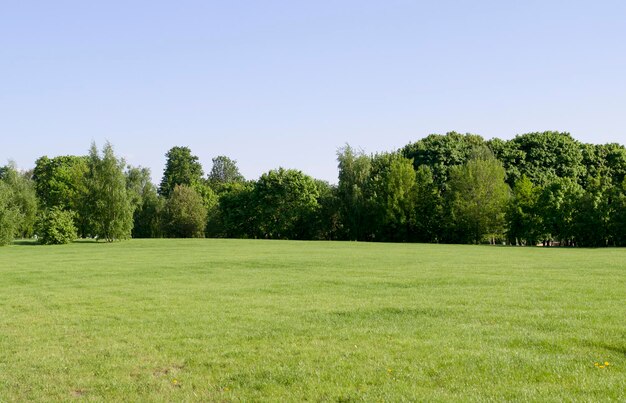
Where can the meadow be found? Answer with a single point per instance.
(230, 320)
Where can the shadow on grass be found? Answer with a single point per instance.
(34, 242)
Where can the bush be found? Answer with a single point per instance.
(9, 216)
(56, 227)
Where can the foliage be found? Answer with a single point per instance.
(442, 152)
(354, 173)
(110, 208)
(285, 202)
(62, 182)
(185, 214)
(56, 227)
(478, 196)
(181, 168)
(22, 198)
(224, 171)
(9, 215)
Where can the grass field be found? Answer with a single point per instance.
(209, 320)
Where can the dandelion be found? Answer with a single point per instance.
(596, 364)
(174, 381)
(601, 366)
(606, 363)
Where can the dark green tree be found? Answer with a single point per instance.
(354, 174)
(181, 168)
(286, 203)
(428, 207)
(442, 152)
(524, 224)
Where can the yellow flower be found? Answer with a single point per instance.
(596, 364)
(606, 363)
(174, 381)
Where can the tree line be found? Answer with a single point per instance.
(541, 188)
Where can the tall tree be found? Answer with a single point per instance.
(428, 207)
(147, 205)
(109, 204)
(181, 168)
(9, 215)
(354, 174)
(391, 195)
(478, 197)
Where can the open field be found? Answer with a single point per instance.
(270, 320)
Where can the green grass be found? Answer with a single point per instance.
(208, 320)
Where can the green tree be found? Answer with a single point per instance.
(391, 193)
(109, 205)
(224, 171)
(354, 174)
(544, 156)
(442, 152)
(9, 215)
(236, 213)
(181, 168)
(22, 197)
(478, 197)
(524, 224)
(556, 206)
(285, 203)
(592, 214)
(428, 207)
(185, 215)
(147, 205)
(61, 182)
(56, 226)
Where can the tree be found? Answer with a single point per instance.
(544, 156)
(62, 182)
(23, 198)
(428, 207)
(557, 205)
(110, 210)
(285, 204)
(224, 171)
(442, 152)
(391, 192)
(56, 227)
(354, 174)
(185, 215)
(181, 168)
(235, 216)
(9, 215)
(524, 224)
(478, 197)
(147, 205)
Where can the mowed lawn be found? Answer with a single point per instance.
(209, 320)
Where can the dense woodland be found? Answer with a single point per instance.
(536, 189)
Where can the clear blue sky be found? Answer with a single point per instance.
(285, 83)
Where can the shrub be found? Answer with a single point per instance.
(56, 227)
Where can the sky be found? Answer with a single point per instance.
(287, 83)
